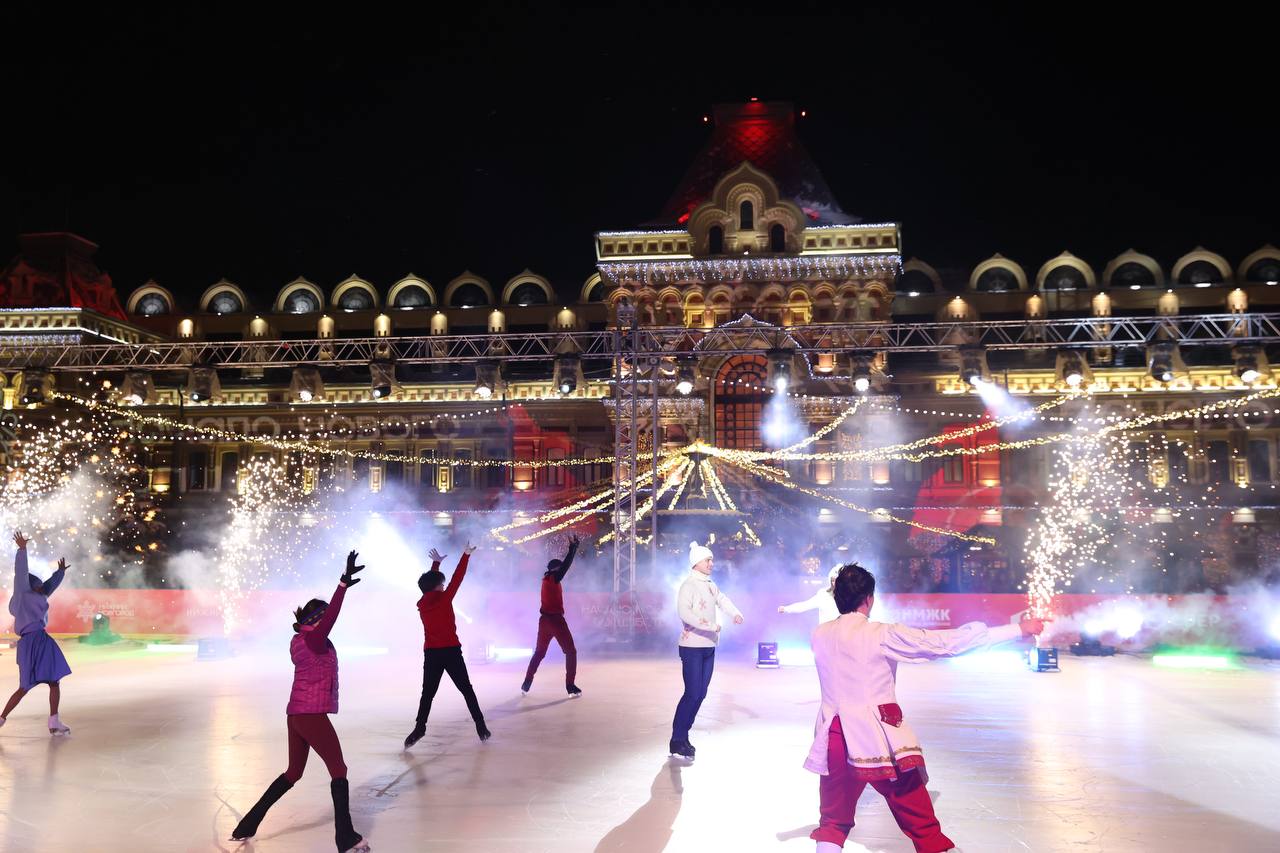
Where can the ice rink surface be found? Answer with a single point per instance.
(1110, 755)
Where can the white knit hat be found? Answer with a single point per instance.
(698, 553)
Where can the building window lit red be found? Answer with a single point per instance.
(740, 400)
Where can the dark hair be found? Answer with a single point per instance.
(35, 583)
(430, 580)
(308, 611)
(552, 565)
(853, 585)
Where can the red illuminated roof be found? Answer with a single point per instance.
(763, 134)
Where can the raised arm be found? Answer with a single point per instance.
(21, 575)
(318, 636)
(55, 580)
(436, 559)
(460, 572)
(559, 573)
(903, 643)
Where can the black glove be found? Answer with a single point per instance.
(349, 576)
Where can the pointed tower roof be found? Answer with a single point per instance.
(763, 134)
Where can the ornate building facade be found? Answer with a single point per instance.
(753, 243)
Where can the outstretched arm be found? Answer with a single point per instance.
(811, 603)
(567, 561)
(907, 644)
(55, 580)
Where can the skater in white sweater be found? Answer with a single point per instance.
(700, 632)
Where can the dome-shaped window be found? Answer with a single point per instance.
(915, 281)
(777, 238)
(1133, 276)
(1264, 271)
(1199, 272)
(225, 302)
(152, 305)
(597, 292)
(997, 280)
(746, 216)
(715, 240)
(1065, 278)
(468, 295)
(528, 294)
(355, 299)
(413, 296)
(301, 302)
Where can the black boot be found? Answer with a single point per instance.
(482, 731)
(419, 729)
(248, 825)
(343, 833)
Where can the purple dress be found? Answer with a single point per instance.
(39, 658)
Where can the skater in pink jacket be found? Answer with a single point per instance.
(314, 696)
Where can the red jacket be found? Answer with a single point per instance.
(552, 595)
(439, 626)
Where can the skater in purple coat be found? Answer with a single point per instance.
(40, 661)
(313, 698)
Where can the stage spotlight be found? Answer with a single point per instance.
(137, 389)
(1161, 361)
(306, 386)
(1042, 659)
(1072, 369)
(779, 370)
(1274, 628)
(566, 373)
(1127, 624)
(1090, 645)
(382, 378)
(1250, 362)
(862, 370)
(685, 377)
(203, 385)
(766, 655)
(100, 634)
(37, 386)
(487, 379)
(973, 364)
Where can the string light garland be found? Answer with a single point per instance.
(751, 268)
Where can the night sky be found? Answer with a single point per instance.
(191, 146)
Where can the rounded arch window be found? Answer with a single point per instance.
(777, 238)
(225, 302)
(413, 296)
(915, 281)
(1264, 270)
(355, 299)
(1065, 278)
(997, 280)
(1199, 272)
(715, 240)
(746, 216)
(152, 305)
(528, 294)
(1132, 275)
(301, 302)
(596, 293)
(468, 295)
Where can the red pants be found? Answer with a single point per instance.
(313, 731)
(554, 625)
(908, 800)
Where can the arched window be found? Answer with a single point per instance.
(1132, 275)
(528, 294)
(413, 296)
(301, 302)
(740, 401)
(225, 302)
(1264, 270)
(468, 295)
(152, 305)
(1065, 278)
(355, 299)
(746, 216)
(715, 240)
(777, 238)
(997, 280)
(1199, 272)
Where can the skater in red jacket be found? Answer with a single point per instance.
(553, 624)
(313, 698)
(442, 650)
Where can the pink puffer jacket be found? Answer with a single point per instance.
(315, 664)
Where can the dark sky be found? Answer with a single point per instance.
(193, 145)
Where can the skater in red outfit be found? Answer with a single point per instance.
(442, 650)
(861, 737)
(552, 624)
(313, 698)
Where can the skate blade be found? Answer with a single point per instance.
(362, 847)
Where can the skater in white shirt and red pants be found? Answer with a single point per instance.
(861, 737)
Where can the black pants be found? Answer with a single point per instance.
(697, 665)
(436, 662)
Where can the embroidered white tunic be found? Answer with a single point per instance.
(696, 604)
(857, 662)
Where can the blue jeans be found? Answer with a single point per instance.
(697, 665)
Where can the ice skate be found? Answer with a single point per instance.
(415, 736)
(362, 846)
(525, 688)
(482, 731)
(57, 728)
(574, 691)
(680, 749)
